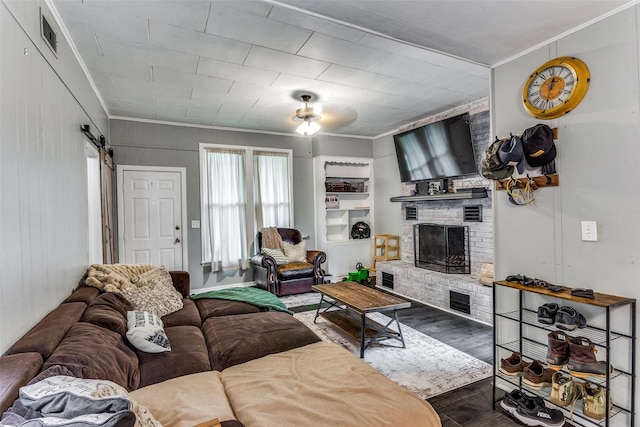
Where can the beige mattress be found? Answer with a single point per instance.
(186, 401)
(320, 384)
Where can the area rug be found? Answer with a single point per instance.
(300, 300)
(427, 366)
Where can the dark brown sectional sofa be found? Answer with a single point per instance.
(85, 336)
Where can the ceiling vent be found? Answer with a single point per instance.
(472, 213)
(48, 34)
(411, 213)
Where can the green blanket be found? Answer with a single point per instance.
(254, 296)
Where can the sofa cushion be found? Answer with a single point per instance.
(295, 252)
(188, 355)
(84, 294)
(212, 307)
(239, 338)
(278, 256)
(145, 332)
(194, 399)
(17, 370)
(90, 351)
(299, 387)
(47, 334)
(188, 315)
(295, 270)
(108, 310)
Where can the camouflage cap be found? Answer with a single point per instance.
(492, 166)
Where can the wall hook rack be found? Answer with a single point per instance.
(537, 181)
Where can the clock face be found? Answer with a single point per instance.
(556, 88)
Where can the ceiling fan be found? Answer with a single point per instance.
(309, 117)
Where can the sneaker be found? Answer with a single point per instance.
(564, 390)
(513, 365)
(547, 313)
(533, 412)
(537, 376)
(594, 399)
(512, 400)
(568, 318)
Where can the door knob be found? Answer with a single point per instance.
(177, 227)
(177, 240)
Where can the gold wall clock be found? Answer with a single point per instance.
(556, 87)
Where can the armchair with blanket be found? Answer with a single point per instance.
(283, 265)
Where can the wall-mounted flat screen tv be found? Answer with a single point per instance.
(443, 149)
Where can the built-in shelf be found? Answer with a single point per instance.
(475, 194)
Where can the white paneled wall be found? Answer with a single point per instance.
(43, 195)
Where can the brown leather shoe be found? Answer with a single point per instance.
(537, 376)
(513, 365)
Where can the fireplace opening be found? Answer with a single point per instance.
(443, 248)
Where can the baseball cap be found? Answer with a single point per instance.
(538, 146)
(511, 153)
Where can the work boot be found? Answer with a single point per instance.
(558, 350)
(582, 359)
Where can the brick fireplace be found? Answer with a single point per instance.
(458, 293)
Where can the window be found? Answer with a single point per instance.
(243, 190)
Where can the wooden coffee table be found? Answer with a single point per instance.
(349, 303)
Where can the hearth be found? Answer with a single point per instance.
(443, 248)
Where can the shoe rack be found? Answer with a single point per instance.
(516, 329)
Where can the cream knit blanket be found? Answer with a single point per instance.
(115, 277)
(146, 286)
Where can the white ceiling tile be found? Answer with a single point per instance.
(190, 14)
(253, 7)
(281, 61)
(316, 24)
(122, 26)
(172, 78)
(144, 55)
(197, 43)
(410, 69)
(249, 28)
(331, 49)
(352, 77)
(423, 55)
(243, 73)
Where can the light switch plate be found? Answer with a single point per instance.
(589, 231)
(195, 223)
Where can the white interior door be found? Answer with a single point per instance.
(151, 217)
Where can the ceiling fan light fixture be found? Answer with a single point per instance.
(308, 116)
(308, 127)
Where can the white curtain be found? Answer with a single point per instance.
(225, 201)
(272, 191)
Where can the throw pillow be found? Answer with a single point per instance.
(276, 254)
(146, 332)
(76, 401)
(295, 253)
(153, 291)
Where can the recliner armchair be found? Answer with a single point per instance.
(290, 278)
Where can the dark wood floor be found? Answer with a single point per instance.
(471, 405)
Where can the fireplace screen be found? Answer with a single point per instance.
(443, 248)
